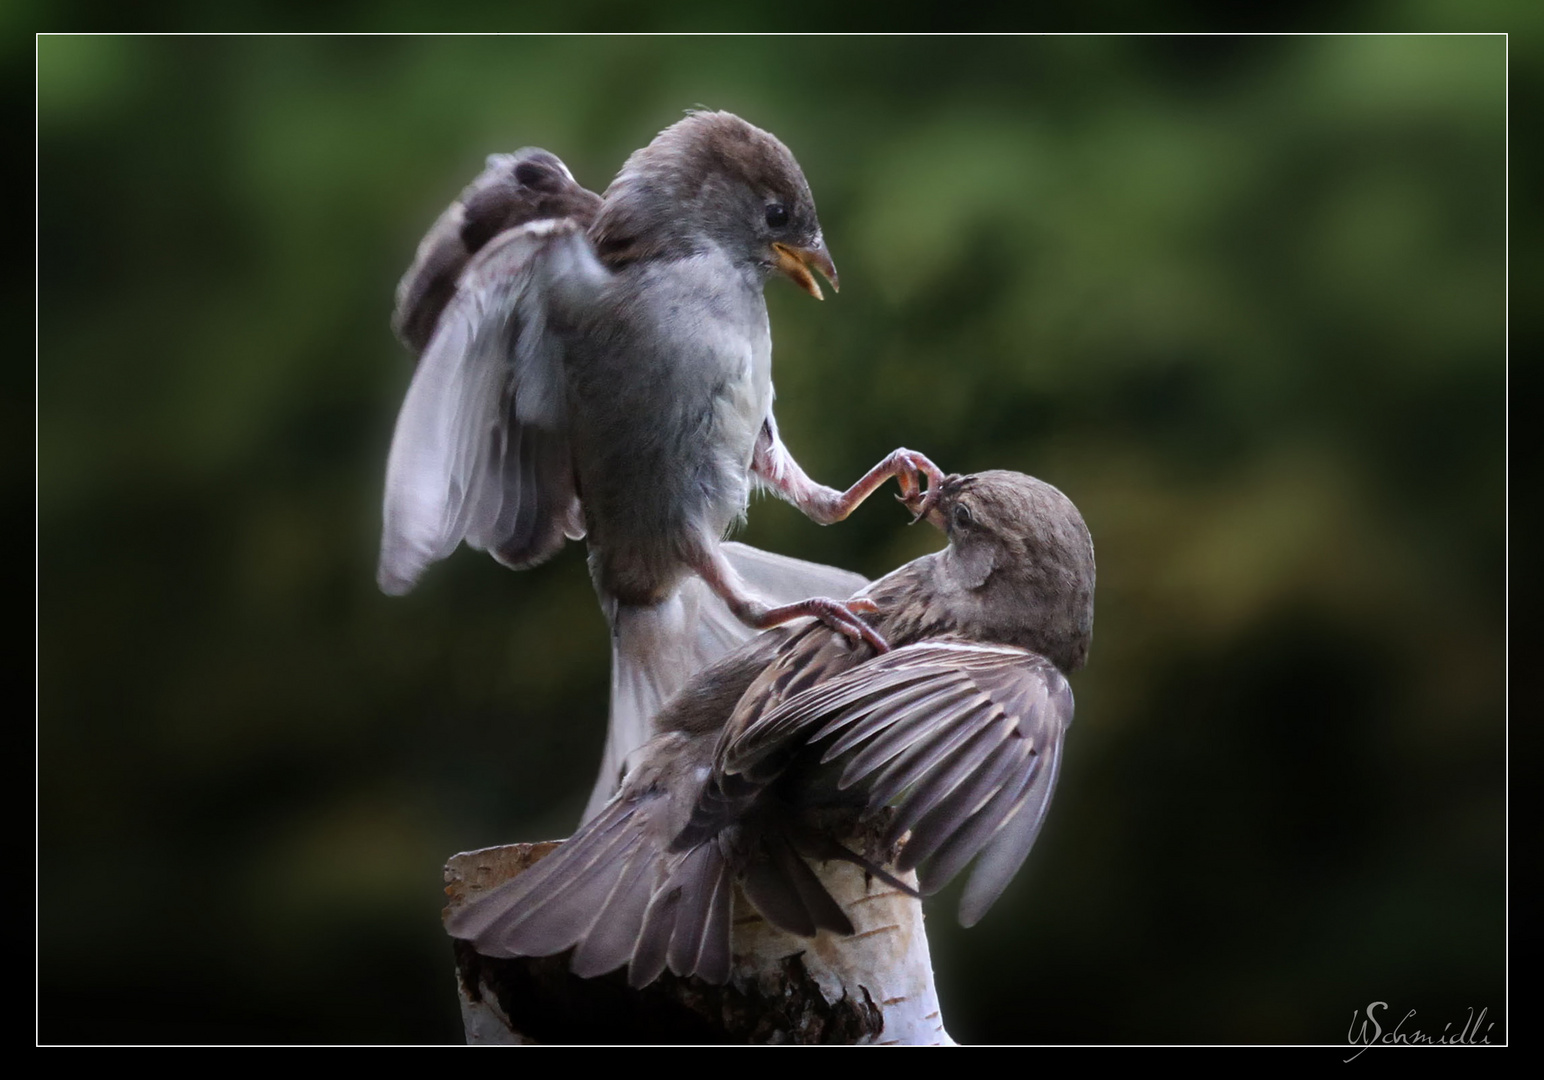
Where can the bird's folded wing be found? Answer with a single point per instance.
(963, 739)
(481, 449)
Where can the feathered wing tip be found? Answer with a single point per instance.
(656, 649)
(1005, 853)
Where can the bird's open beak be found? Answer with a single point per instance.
(797, 262)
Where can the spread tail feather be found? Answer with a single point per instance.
(614, 895)
(591, 892)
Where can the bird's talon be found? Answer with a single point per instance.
(844, 620)
(920, 504)
(912, 496)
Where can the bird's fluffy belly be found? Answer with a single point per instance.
(669, 406)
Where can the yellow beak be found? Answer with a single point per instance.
(797, 262)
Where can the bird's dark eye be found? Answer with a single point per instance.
(777, 215)
(962, 516)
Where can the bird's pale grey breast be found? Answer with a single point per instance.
(670, 384)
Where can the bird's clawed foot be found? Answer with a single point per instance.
(910, 467)
(839, 616)
(825, 505)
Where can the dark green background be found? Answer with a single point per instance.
(1244, 300)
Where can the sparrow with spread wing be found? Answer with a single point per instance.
(958, 729)
(600, 367)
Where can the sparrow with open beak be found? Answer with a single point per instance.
(600, 367)
(958, 729)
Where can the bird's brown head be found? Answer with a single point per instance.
(1019, 549)
(713, 178)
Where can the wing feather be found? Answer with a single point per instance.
(1007, 850)
(936, 768)
(480, 451)
(962, 739)
(512, 190)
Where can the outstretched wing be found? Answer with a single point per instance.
(963, 739)
(512, 190)
(481, 448)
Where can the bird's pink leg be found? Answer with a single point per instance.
(841, 616)
(824, 505)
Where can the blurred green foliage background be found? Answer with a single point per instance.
(1243, 299)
